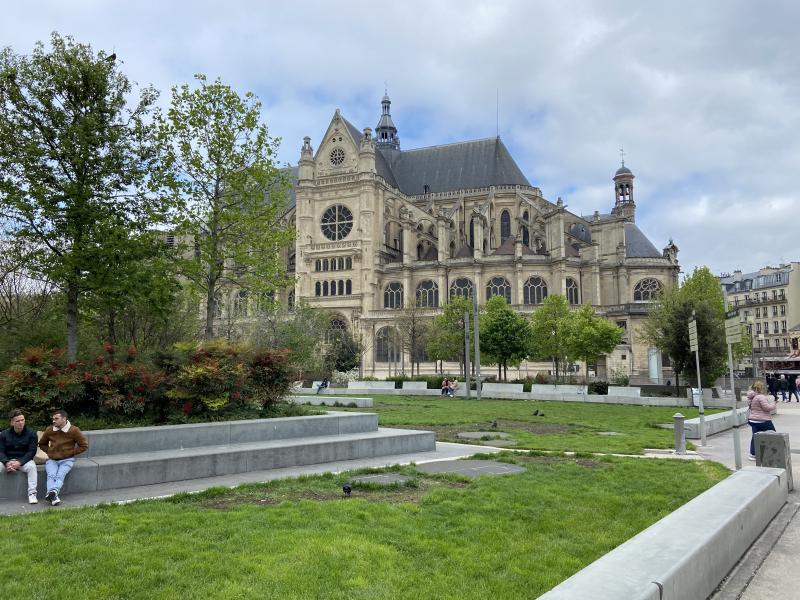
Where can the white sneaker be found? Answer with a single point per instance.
(750, 457)
(32, 499)
(56, 501)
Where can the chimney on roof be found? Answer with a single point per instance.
(737, 276)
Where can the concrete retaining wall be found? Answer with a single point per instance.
(512, 388)
(617, 390)
(714, 423)
(370, 385)
(178, 437)
(415, 385)
(687, 553)
(320, 400)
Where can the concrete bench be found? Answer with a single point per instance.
(332, 401)
(415, 385)
(538, 388)
(714, 423)
(508, 388)
(627, 391)
(370, 385)
(119, 458)
(687, 553)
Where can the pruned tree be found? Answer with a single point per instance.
(446, 333)
(413, 327)
(505, 336)
(223, 170)
(550, 333)
(75, 160)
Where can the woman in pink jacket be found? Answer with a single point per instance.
(761, 407)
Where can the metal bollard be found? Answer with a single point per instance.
(680, 433)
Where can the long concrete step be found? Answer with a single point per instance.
(116, 471)
(175, 437)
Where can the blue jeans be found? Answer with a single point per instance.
(56, 472)
(756, 427)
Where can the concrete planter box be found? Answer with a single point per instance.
(631, 392)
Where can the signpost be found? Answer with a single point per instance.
(733, 335)
(695, 348)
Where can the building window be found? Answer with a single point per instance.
(774, 294)
(758, 312)
(763, 296)
(325, 265)
(318, 265)
(337, 328)
(318, 289)
(782, 295)
(387, 346)
(337, 222)
(333, 288)
(290, 301)
(758, 327)
(240, 304)
(505, 226)
(534, 291)
(774, 310)
(499, 286)
(427, 294)
(746, 314)
(393, 296)
(573, 295)
(783, 310)
(461, 287)
(348, 287)
(647, 290)
(324, 288)
(783, 326)
(774, 327)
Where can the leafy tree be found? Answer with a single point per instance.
(446, 333)
(222, 169)
(589, 335)
(667, 327)
(344, 352)
(74, 164)
(550, 332)
(413, 328)
(505, 336)
(301, 331)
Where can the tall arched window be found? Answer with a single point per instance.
(324, 288)
(336, 328)
(341, 264)
(333, 287)
(348, 263)
(393, 296)
(534, 291)
(427, 294)
(240, 304)
(318, 265)
(505, 226)
(472, 233)
(348, 287)
(526, 238)
(573, 293)
(461, 287)
(499, 286)
(325, 265)
(387, 345)
(318, 289)
(333, 264)
(647, 290)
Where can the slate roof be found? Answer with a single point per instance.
(464, 165)
(507, 248)
(580, 231)
(637, 245)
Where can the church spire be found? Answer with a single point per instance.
(623, 191)
(386, 132)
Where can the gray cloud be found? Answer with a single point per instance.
(704, 96)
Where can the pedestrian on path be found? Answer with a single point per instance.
(760, 413)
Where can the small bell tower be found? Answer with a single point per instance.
(386, 132)
(624, 206)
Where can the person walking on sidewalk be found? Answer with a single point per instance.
(62, 443)
(760, 419)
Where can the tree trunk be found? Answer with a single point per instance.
(211, 309)
(505, 371)
(72, 322)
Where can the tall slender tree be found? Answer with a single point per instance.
(504, 336)
(74, 164)
(223, 171)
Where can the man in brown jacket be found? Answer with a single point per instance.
(62, 442)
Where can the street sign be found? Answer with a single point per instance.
(733, 330)
(693, 335)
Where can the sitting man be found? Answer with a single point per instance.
(17, 449)
(322, 384)
(62, 442)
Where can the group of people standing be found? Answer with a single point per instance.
(62, 442)
(785, 385)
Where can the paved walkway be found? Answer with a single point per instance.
(769, 569)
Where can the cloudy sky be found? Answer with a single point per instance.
(704, 96)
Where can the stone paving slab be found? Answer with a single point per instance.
(476, 435)
(471, 468)
(385, 479)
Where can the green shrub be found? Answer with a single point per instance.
(541, 378)
(598, 387)
(619, 377)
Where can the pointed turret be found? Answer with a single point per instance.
(624, 206)
(386, 132)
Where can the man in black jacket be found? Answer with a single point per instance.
(17, 449)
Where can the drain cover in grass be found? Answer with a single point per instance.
(499, 443)
(470, 468)
(382, 479)
(609, 433)
(476, 435)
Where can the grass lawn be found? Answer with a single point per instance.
(565, 426)
(513, 536)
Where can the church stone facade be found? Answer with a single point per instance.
(380, 229)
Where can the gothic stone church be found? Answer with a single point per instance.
(380, 228)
